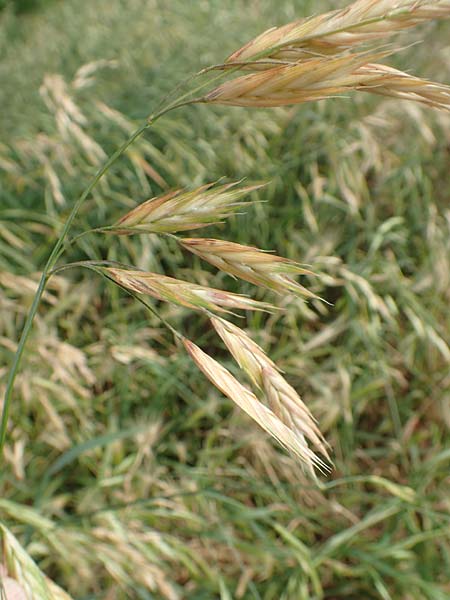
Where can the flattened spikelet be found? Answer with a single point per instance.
(180, 210)
(251, 264)
(249, 403)
(321, 78)
(339, 30)
(282, 398)
(387, 81)
(25, 579)
(183, 293)
(313, 80)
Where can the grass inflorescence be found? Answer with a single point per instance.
(127, 473)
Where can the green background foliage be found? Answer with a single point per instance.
(127, 474)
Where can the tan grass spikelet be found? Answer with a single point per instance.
(249, 403)
(251, 264)
(181, 210)
(387, 81)
(335, 31)
(320, 78)
(183, 293)
(313, 80)
(265, 375)
(289, 407)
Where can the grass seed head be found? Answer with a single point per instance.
(282, 397)
(289, 407)
(183, 293)
(251, 264)
(339, 30)
(249, 356)
(387, 81)
(249, 403)
(181, 210)
(308, 81)
(321, 78)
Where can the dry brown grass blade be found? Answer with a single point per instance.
(249, 403)
(251, 264)
(339, 30)
(282, 398)
(183, 293)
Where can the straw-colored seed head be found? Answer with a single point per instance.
(282, 398)
(387, 81)
(180, 210)
(312, 80)
(251, 264)
(333, 32)
(289, 407)
(320, 78)
(248, 402)
(183, 293)
(249, 356)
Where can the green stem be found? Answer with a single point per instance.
(58, 249)
(52, 259)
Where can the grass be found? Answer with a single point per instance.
(127, 474)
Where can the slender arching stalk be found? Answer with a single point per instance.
(54, 255)
(56, 252)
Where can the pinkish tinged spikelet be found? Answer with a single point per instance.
(315, 79)
(180, 210)
(183, 293)
(251, 264)
(249, 403)
(320, 78)
(339, 30)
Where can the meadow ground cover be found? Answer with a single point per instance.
(126, 473)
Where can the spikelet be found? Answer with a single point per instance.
(249, 403)
(183, 293)
(180, 210)
(388, 81)
(282, 398)
(312, 80)
(251, 264)
(339, 30)
(325, 77)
